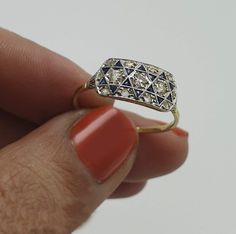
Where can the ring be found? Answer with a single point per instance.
(136, 82)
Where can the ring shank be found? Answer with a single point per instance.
(149, 129)
(160, 128)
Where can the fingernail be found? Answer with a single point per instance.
(180, 132)
(103, 140)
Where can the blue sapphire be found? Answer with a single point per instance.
(129, 71)
(162, 76)
(152, 77)
(105, 69)
(159, 100)
(142, 68)
(137, 92)
(113, 88)
(103, 81)
(150, 89)
(116, 68)
(127, 82)
(172, 86)
(118, 64)
(169, 98)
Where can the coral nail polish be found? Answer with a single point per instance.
(180, 132)
(103, 140)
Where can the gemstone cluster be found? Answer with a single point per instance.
(138, 82)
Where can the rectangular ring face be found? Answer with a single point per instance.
(136, 82)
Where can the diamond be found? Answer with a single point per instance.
(152, 69)
(130, 64)
(99, 75)
(147, 97)
(140, 80)
(174, 95)
(160, 86)
(115, 76)
(110, 62)
(170, 77)
(104, 91)
(166, 105)
(125, 93)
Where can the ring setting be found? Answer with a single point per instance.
(139, 83)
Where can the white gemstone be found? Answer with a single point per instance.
(140, 80)
(166, 105)
(125, 93)
(170, 77)
(152, 69)
(115, 76)
(147, 98)
(99, 75)
(105, 91)
(130, 64)
(110, 62)
(160, 86)
(174, 95)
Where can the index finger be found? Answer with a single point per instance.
(36, 83)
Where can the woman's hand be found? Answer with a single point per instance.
(55, 168)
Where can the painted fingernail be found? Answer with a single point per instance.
(103, 140)
(180, 132)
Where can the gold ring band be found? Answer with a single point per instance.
(136, 82)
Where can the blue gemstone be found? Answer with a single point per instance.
(137, 92)
(142, 68)
(118, 64)
(162, 76)
(116, 68)
(153, 77)
(129, 71)
(159, 100)
(171, 86)
(103, 81)
(113, 88)
(127, 82)
(105, 69)
(150, 89)
(169, 98)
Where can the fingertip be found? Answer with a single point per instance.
(180, 132)
(158, 154)
(126, 190)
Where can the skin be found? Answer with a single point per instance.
(53, 193)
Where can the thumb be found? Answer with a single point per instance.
(55, 177)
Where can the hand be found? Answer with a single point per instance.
(58, 165)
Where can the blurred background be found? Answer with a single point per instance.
(194, 40)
